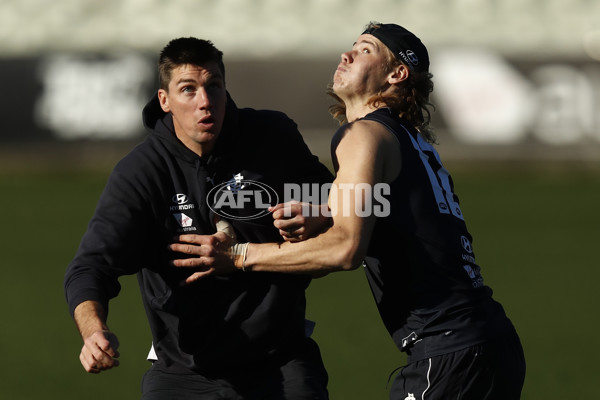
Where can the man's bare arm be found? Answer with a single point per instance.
(366, 154)
(99, 351)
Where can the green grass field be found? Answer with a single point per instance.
(536, 236)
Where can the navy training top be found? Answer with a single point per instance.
(421, 265)
(158, 191)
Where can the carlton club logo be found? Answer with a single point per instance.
(241, 199)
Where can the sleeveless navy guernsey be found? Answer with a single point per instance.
(421, 265)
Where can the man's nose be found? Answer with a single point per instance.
(203, 99)
(347, 57)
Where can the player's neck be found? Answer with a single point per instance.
(358, 111)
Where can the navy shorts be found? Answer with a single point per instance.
(494, 370)
(298, 376)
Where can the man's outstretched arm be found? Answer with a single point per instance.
(367, 154)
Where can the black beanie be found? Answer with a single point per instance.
(405, 45)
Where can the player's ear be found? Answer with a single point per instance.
(163, 99)
(398, 74)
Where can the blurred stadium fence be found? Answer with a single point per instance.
(487, 105)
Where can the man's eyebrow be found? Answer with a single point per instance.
(186, 80)
(209, 77)
(367, 41)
